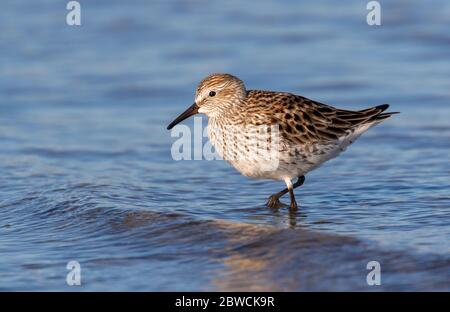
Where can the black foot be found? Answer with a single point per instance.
(274, 202)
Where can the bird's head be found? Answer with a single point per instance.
(214, 95)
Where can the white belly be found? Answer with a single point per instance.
(255, 155)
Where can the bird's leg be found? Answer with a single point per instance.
(274, 200)
(290, 187)
(293, 205)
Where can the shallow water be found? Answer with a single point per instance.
(87, 173)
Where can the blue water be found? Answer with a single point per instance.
(86, 172)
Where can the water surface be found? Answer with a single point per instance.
(87, 173)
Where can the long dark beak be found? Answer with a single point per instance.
(186, 114)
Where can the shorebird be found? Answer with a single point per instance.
(307, 133)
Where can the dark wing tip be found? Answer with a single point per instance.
(369, 115)
(382, 107)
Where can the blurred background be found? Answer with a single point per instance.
(86, 172)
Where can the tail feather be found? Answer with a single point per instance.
(379, 116)
(365, 116)
(386, 115)
(373, 116)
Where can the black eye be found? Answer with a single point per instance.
(212, 93)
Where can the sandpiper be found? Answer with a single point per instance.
(308, 133)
